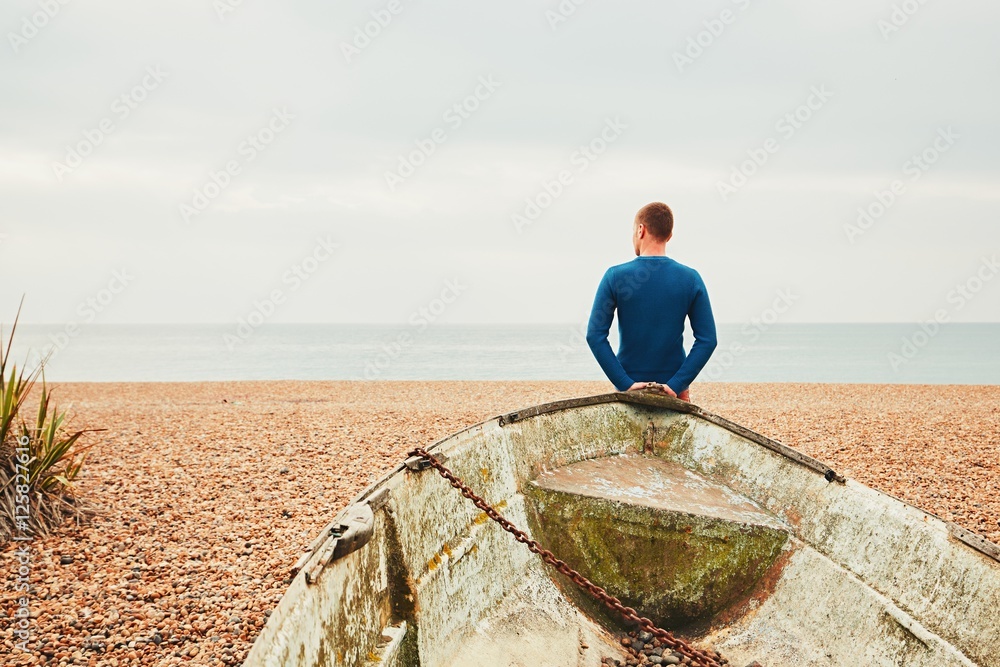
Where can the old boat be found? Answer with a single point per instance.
(711, 530)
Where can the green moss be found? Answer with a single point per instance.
(678, 438)
(590, 425)
(677, 569)
(409, 653)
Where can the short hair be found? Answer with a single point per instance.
(658, 219)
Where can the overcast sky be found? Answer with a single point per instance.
(764, 125)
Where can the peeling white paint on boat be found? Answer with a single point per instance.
(864, 578)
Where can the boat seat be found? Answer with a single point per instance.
(678, 547)
(652, 482)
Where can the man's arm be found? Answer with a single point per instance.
(703, 326)
(601, 316)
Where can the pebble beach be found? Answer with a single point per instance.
(208, 493)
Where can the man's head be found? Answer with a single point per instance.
(653, 227)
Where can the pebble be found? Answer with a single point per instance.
(643, 649)
(182, 497)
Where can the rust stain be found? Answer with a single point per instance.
(412, 598)
(793, 517)
(761, 591)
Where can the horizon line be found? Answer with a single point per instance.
(464, 324)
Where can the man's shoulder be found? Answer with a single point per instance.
(686, 270)
(615, 269)
(642, 267)
(624, 266)
(655, 263)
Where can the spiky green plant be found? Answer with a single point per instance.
(39, 459)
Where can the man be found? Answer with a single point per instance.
(653, 295)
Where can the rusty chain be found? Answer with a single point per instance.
(698, 657)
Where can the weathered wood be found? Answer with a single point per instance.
(774, 446)
(676, 405)
(977, 542)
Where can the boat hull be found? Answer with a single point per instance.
(861, 576)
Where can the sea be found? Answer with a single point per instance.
(949, 353)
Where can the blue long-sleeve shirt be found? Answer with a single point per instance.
(652, 295)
